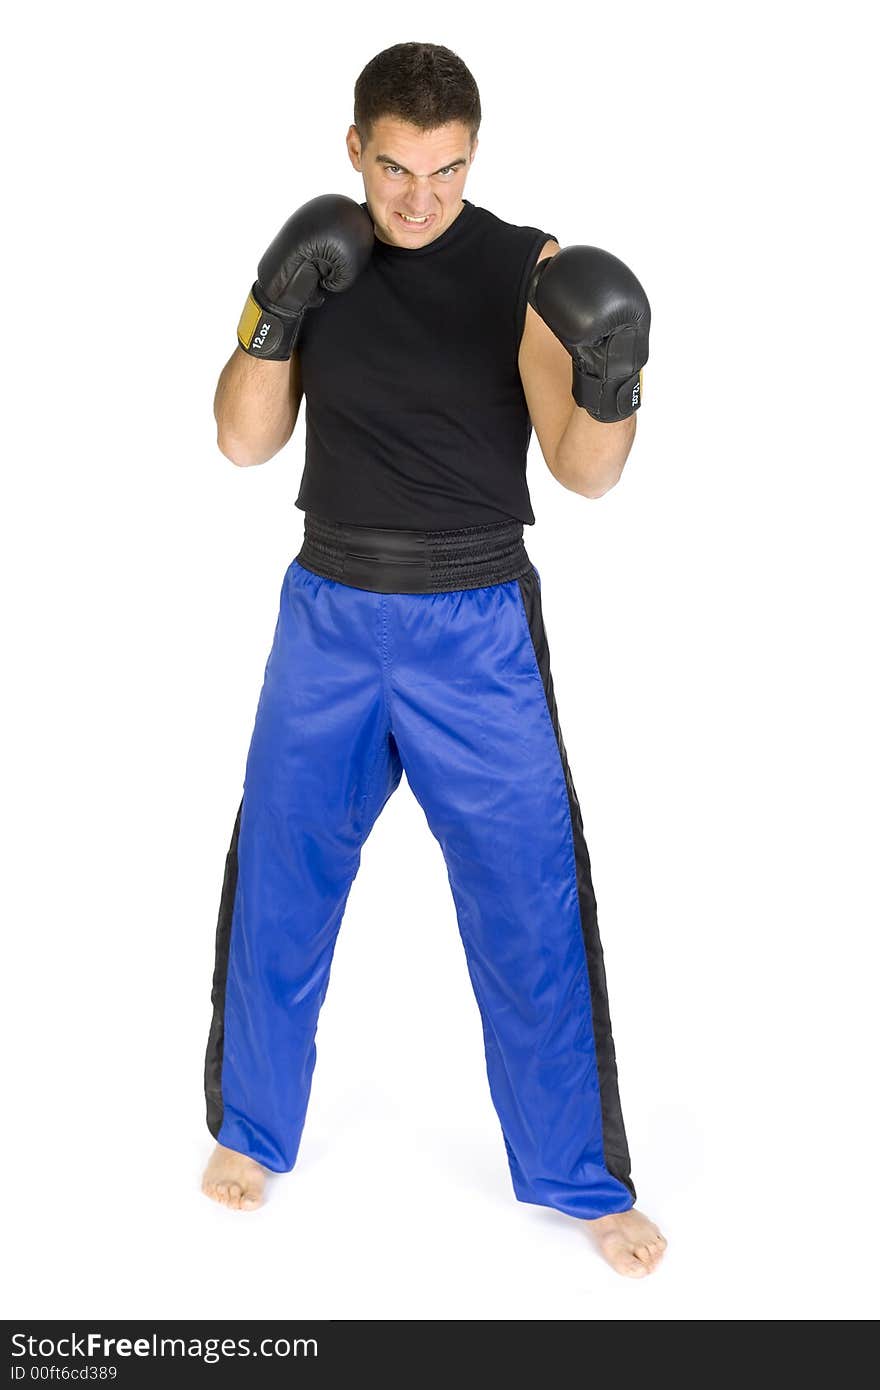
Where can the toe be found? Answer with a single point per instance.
(624, 1260)
(647, 1255)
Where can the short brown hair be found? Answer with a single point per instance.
(422, 83)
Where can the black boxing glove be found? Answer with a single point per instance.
(327, 242)
(600, 313)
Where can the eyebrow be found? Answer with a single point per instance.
(451, 164)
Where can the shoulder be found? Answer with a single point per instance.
(535, 333)
(518, 233)
(548, 249)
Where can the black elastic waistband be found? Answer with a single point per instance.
(414, 562)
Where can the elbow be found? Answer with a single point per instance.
(244, 456)
(233, 451)
(596, 492)
(589, 487)
(597, 487)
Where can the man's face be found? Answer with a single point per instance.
(420, 173)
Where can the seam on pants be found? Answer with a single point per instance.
(536, 675)
(381, 634)
(385, 654)
(365, 800)
(215, 1055)
(570, 795)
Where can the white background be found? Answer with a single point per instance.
(713, 632)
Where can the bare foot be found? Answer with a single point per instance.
(234, 1180)
(629, 1242)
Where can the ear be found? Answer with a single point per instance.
(353, 145)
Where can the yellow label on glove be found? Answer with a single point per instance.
(250, 317)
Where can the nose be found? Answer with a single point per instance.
(414, 194)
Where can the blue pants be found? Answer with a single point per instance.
(455, 688)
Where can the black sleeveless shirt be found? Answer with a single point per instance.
(415, 413)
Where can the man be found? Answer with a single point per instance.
(427, 336)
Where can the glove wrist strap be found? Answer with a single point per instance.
(264, 331)
(607, 400)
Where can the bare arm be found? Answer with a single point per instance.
(256, 405)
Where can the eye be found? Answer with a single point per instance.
(395, 168)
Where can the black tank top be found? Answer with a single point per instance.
(415, 413)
